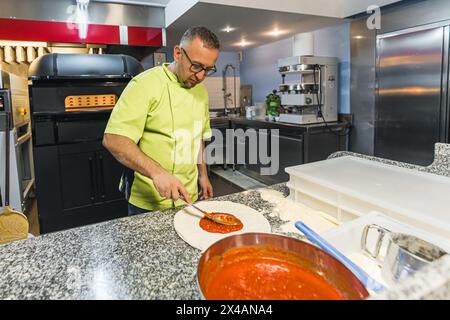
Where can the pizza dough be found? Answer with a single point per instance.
(291, 212)
(186, 222)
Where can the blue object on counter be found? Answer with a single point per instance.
(366, 280)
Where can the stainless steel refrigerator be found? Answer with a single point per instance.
(412, 85)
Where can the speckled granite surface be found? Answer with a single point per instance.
(430, 283)
(138, 257)
(142, 257)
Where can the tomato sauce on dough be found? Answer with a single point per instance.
(250, 273)
(214, 227)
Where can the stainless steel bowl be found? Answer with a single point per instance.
(318, 261)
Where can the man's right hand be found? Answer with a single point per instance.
(169, 186)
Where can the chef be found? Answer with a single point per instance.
(158, 127)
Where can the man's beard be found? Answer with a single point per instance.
(189, 84)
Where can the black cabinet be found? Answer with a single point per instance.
(296, 145)
(77, 184)
(291, 154)
(77, 179)
(109, 173)
(254, 153)
(89, 178)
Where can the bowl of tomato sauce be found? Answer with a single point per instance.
(262, 266)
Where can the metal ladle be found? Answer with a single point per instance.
(220, 218)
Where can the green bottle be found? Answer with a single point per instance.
(273, 103)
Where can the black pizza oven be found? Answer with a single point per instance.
(71, 98)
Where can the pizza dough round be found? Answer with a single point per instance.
(186, 222)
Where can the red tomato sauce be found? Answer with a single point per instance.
(214, 227)
(249, 273)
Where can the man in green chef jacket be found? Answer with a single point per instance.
(158, 127)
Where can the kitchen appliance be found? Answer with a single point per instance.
(404, 255)
(72, 96)
(412, 86)
(13, 224)
(311, 97)
(319, 261)
(15, 102)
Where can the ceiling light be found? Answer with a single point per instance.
(276, 32)
(243, 43)
(358, 37)
(228, 29)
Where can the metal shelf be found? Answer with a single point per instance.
(297, 71)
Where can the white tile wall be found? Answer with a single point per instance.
(215, 85)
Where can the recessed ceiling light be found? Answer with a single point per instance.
(358, 37)
(276, 32)
(228, 29)
(243, 43)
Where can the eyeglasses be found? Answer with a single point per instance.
(197, 68)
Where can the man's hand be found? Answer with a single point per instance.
(169, 186)
(207, 189)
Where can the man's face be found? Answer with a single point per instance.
(193, 53)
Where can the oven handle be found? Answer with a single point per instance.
(23, 138)
(91, 172)
(102, 180)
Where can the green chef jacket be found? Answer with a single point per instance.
(168, 123)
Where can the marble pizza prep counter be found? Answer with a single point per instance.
(139, 257)
(142, 257)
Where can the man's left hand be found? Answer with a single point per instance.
(207, 188)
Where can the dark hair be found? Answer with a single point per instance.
(208, 37)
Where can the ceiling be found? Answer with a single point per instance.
(141, 2)
(250, 23)
(326, 8)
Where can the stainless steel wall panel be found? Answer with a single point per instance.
(362, 87)
(445, 104)
(409, 75)
(413, 13)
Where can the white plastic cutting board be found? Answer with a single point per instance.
(419, 198)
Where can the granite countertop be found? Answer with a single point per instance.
(284, 125)
(225, 120)
(142, 257)
(139, 257)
